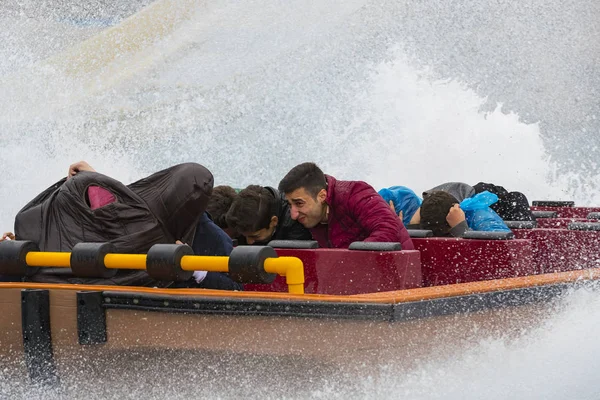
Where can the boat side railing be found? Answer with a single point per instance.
(168, 262)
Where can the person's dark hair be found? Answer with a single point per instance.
(252, 209)
(434, 209)
(219, 203)
(307, 176)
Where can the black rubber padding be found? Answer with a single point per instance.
(163, 262)
(593, 215)
(552, 203)
(91, 318)
(246, 264)
(420, 233)
(584, 226)
(489, 235)
(13, 254)
(37, 338)
(544, 214)
(521, 224)
(375, 246)
(294, 244)
(87, 260)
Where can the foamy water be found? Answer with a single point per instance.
(251, 89)
(556, 360)
(553, 359)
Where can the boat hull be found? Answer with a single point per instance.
(100, 331)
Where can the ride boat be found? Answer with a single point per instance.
(367, 302)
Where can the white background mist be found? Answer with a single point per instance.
(251, 89)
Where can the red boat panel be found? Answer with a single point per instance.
(559, 223)
(568, 212)
(345, 272)
(557, 250)
(447, 261)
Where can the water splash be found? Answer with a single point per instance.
(425, 131)
(391, 92)
(556, 360)
(553, 359)
(252, 89)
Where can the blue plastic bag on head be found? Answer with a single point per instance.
(479, 202)
(404, 199)
(479, 215)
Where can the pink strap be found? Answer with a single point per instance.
(99, 197)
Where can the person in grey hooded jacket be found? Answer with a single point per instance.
(449, 209)
(87, 206)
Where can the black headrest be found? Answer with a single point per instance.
(375, 246)
(552, 203)
(584, 226)
(521, 224)
(420, 233)
(491, 235)
(294, 244)
(544, 214)
(593, 215)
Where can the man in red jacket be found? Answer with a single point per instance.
(340, 212)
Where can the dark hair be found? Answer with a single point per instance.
(307, 176)
(434, 209)
(219, 203)
(252, 210)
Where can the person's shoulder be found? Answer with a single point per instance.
(345, 190)
(457, 189)
(356, 192)
(354, 185)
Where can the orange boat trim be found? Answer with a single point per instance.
(400, 296)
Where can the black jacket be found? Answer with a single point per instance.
(161, 208)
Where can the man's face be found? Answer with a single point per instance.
(306, 209)
(262, 235)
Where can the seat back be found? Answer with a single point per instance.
(446, 261)
(346, 272)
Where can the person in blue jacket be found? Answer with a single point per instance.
(449, 209)
(405, 203)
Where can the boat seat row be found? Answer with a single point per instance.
(552, 223)
(527, 250)
(565, 212)
(557, 223)
(561, 217)
(346, 271)
(558, 250)
(435, 261)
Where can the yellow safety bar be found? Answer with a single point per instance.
(48, 259)
(125, 261)
(205, 263)
(290, 267)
